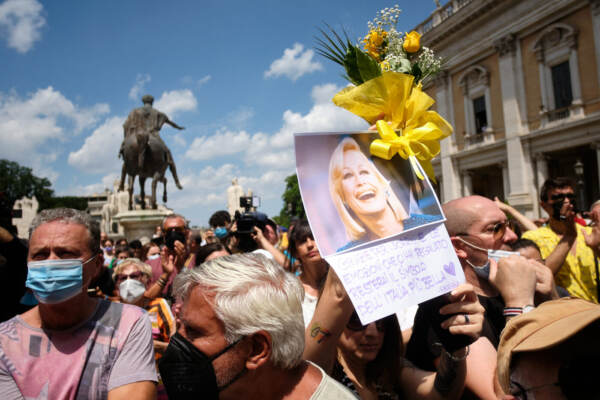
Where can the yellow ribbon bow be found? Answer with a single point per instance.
(403, 108)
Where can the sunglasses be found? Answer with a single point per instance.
(179, 229)
(134, 275)
(355, 325)
(560, 197)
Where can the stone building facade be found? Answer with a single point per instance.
(521, 87)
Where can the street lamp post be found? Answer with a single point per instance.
(579, 173)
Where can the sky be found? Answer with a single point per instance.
(240, 76)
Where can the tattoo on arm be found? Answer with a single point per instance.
(318, 333)
(446, 375)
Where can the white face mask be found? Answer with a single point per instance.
(131, 290)
(153, 256)
(483, 271)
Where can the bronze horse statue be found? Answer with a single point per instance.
(144, 153)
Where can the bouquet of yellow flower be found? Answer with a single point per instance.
(388, 75)
(385, 49)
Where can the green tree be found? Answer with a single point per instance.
(78, 203)
(17, 181)
(292, 202)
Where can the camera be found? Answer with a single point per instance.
(249, 202)
(245, 227)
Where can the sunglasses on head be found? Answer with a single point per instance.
(355, 325)
(134, 275)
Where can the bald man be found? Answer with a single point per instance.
(476, 225)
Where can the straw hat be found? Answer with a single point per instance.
(551, 323)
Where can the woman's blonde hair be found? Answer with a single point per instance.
(144, 268)
(354, 229)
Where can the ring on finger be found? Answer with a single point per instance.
(466, 318)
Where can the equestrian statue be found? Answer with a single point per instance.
(144, 153)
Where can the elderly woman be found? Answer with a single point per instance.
(132, 278)
(366, 204)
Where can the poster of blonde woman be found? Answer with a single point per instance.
(352, 199)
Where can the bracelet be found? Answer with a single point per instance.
(515, 311)
(461, 358)
(450, 356)
(161, 282)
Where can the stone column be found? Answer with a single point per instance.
(596, 24)
(518, 174)
(467, 181)
(451, 188)
(505, 179)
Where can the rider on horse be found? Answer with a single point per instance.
(143, 122)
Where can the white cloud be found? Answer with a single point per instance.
(203, 80)
(99, 153)
(135, 93)
(220, 144)
(294, 63)
(204, 188)
(33, 130)
(277, 150)
(21, 22)
(175, 101)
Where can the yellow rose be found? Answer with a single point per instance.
(374, 42)
(411, 42)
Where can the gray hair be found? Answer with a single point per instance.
(171, 216)
(70, 216)
(252, 293)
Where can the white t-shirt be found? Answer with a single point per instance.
(330, 389)
(308, 308)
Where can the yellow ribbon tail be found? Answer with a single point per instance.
(414, 163)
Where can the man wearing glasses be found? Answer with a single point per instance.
(478, 230)
(562, 241)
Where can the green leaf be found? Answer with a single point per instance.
(416, 72)
(351, 65)
(367, 66)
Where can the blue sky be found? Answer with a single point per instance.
(240, 76)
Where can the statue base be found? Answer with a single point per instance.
(139, 223)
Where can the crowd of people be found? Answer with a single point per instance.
(242, 311)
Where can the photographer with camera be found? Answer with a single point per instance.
(562, 241)
(255, 232)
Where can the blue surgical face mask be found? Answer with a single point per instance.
(483, 271)
(221, 232)
(55, 281)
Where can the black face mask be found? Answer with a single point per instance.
(188, 373)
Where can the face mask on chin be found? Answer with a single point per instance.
(188, 373)
(483, 271)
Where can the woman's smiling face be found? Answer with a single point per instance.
(360, 186)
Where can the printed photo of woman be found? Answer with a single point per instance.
(352, 198)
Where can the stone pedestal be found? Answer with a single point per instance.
(138, 223)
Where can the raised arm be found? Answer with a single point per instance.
(174, 125)
(522, 220)
(329, 320)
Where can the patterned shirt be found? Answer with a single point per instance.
(162, 320)
(111, 349)
(578, 273)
